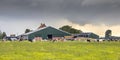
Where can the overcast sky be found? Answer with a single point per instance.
(88, 15)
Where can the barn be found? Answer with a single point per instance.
(88, 35)
(45, 33)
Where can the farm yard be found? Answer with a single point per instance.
(69, 50)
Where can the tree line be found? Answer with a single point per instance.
(70, 29)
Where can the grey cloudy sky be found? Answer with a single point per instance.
(16, 15)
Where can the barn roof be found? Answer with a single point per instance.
(42, 29)
(84, 33)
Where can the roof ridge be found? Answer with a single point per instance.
(44, 28)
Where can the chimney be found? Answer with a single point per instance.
(41, 26)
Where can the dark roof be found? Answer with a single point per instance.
(84, 33)
(44, 28)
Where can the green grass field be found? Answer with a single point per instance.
(71, 50)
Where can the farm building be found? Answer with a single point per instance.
(45, 33)
(88, 35)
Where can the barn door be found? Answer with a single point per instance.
(50, 36)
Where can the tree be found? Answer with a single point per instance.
(69, 29)
(108, 34)
(0, 34)
(3, 35)
(27, 30)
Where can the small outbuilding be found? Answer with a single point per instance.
(45, 33)
(88, 35)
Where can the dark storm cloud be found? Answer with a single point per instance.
(78, 11)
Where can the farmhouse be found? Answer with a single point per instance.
(45, 33)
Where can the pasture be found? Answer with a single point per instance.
(70, 50)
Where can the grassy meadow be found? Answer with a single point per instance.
(70, 50)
